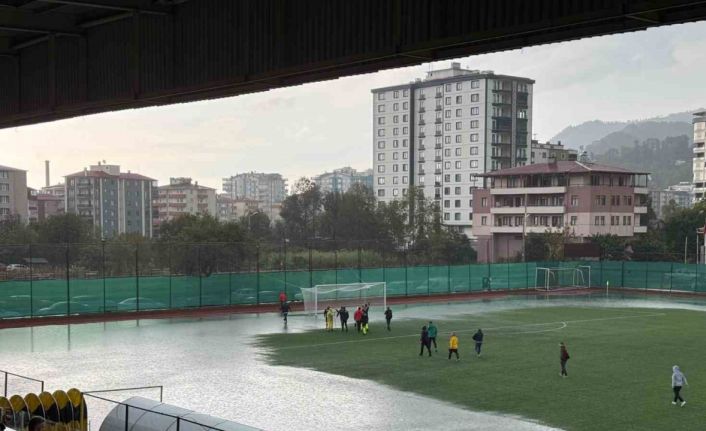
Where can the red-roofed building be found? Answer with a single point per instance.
(580, 199)
(114, 201)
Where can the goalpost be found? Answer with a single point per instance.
(562, 278)
(348, 294)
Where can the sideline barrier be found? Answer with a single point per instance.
(51, 297)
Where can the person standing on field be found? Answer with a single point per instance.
(678, 380)
(478, 338)
(563, 357)
(453, 346)
(343, 314)
(329, 318)
(424, 341)
(432, 335)
(284, 309)
(364, 319)
(358, 316)
(388, 317)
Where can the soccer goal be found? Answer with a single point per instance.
(562, 278)
(349, 294)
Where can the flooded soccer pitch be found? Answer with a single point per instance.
(217, 366)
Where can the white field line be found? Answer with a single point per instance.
(561, 322)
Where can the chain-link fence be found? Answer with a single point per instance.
(63, 279)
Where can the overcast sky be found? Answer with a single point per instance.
(305, 130)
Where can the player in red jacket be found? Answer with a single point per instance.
(358, 316)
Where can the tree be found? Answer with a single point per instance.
(65, 228)
(682, 224)
(301, 209)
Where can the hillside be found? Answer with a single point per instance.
(589, 132)
(668, 159)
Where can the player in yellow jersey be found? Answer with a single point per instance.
(453, 346)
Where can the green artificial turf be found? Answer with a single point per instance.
(619, 371)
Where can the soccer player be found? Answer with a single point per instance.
(563, 357)
(478, 338)
(388, 317)
(453, 346)
(284, 309)
(424, 341)
(364, 319)
(678, 380)
(282, 297)
(358, 316)
(343, 314)
(329, 318)
(432, 335)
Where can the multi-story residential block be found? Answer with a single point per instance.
(548, 152)
(41, 206)
(340, 180)
(182, 196)
(681, 194)
(269, 190)
(699, 167)
(230, 209)
(578, 199)
(115, 202)
(438, 134)
(13, 194)
(32, 209)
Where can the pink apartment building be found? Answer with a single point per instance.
(579, 198)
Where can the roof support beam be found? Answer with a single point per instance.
(18, 20)
(142, 6)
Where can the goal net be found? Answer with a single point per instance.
(562, 278)
(319, 297)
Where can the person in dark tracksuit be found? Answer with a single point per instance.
(388, 317)
(678, 380)
(284, 308)
(343, 314)
(365, 318)
(563, 357)
(425, 341)
(432, 335)
(478, 338)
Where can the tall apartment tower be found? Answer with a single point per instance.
(699, 159)
(13, 194)
(440, 132)
(269, 190)
(113, 201)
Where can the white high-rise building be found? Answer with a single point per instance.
(440, 132)
(699, 159)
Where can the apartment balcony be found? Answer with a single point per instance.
(640, 210)
(438, 133)
(422, 122)
(552, 190)
(641, 190)
(640, 229)
(502, 102)
(422, 97)
(437, 183)
(503, 90)
(422, 172)
(422, 110)
(439, 108)
(422, 160)
(527, 229)
(501, 156)
(438, 146)
(437, 158)
(437, 171)
(498, 129)
(177, 196)
(422, 148)
(549, 209)
(422, 135)
(439, 95)
(438, 121)
(506, 117)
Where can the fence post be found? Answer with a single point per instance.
(68, 282)
(406, 264)
(470, 287)
(284, 265)
(137, 275)
(198, 267)
(335, 264)
(230, 278)
(127, 412)
(169, 264)
(311, 269)
(671, 276)
(448, 274)
(360, 268)
(257, 271)
(103, 270)
(428, 279)
(622, 273)
(31, 285)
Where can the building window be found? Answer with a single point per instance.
(602, 220)
(395, 106)
(405, 105)
(458, 164)
(405, 93)
(447, 152)
(381, 120)
(381, 132)
(395, 180)
(475, 84)
(405, 143)
(396, 119)
(475, 111)
(395, 94)
(405, 130)
(381, 169)
(574, 201)
(484, 221)
(447, 101)
(457, 191)
(458, 125)
(447, 165)
(395, 168)
(405, 118)
(459, 112)
(627, 200)
(448, 87)
(474, 138)
(381, 108)
(404, 168)
(381, 193)
(404, 180)
(447, 113)
(381, 96)
(447, 139)
(405, 154)
(395, 143)
(381, 145)
(573, 220)
(458, 151)
(475, 124)
(457, 216)
(484, 202)
(474, 164)
(381, 157)
(627, 220)
(474, 151)
(447, 203)
(381, 181)
(458, 86)
(395, 156)
(396, 131)
(459, 100)
(447, 127)
(447, 216)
